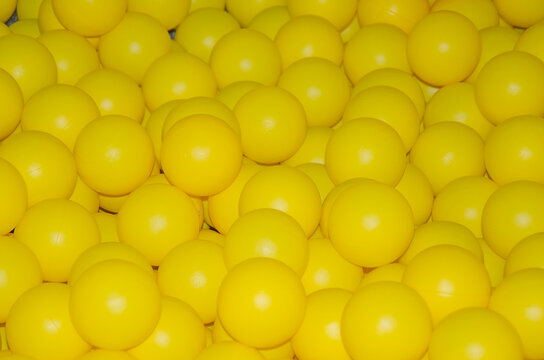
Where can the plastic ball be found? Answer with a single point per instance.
(179, 334)
(327, 269)
(482, 13)
(493, 263)
(26, 27)
(417, 190)
(168, 12)
(11, 103)
(313, 148)
(115, 305)
(245, 10)
(398, 79)
(193, 272)
(270, 21)
(390, 272)
(44, 162)
(232, 93)
(404, 14)
(261, 303)
(267, 233)
(441, 233)
(511, 84)
(133, 45)
(4, 30)
(457, 102)
(286, 189)
(443, 48)
(462, 201)
(375, 47)
(6, 10)
(321, 87)
(201, 30)
(495, 41)
(475, 334)
(229, 351)
(99, 354)
(447, 151)
(212, 155)
(245, 55)
(107, 225)
(309, 36)
(85, 196)
(14, 197)
(177, 75)
(449, 278)
(47, 20)
(522, 13)
(60, 110)
(29, 62)
(90, 18)
(338, 13)
(366, 148)
(520, 299)
(529, 40)
(371, 224)
(386, 321)
(155, 218)
(389, 105)
(272, 124)
(320, 177)
(28, 9)
(527, 254)
(512, 213)
(155, 124)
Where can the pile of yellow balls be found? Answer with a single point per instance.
(272, 179)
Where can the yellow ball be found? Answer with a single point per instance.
(390, 272)
(201, 30)
(212, 236)
(520, 299)
(261, 303)
(386, 321)
(155, 124)
(114, 155)
(45, 163)
(482, 13)
(60, 110)
(457, 102)
(232, 93)
(177, 75)
(156, 218)
(267, 233)
(193, 272)
(417, 190)
(522, 13)
(99, 354)
(201, 155)
(348, 33)
(72, 227)
(321, 87)
(133, 45)
(398, 79)
(320, 177)
(73, 54)
(327, 269)
(272, 124)
(245, 10)
(229, 351)
(245, 55)
(199, 4)
(319, 335)
(115, 305)
(11, 103)
(475, 334)
(371, 224)
(373, 47)
(90, 18)
(27, 27)
(366, 148)
(39, 325)
(179, 334)
(4, 30)
(493, 263)
(29, 62)
(107, 225)
(223, 207)
(14, 197)
(447, 151)
(28, 9)
(389, 105)
(47, 20)
(495, 41)
(448, 278)
(441, 233)
(512, 213)
(462, 201)
(85, 196)
(21, 272)
(514, 151)
(511, 84)
(443, 48)
(115, 93)
(6, 10)
(270, 21)
(529, 41)
(337, 12)
(309, 36)
(404, 14)
(313, 148)
(526, 254)
(286, 189)
(169, 12)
